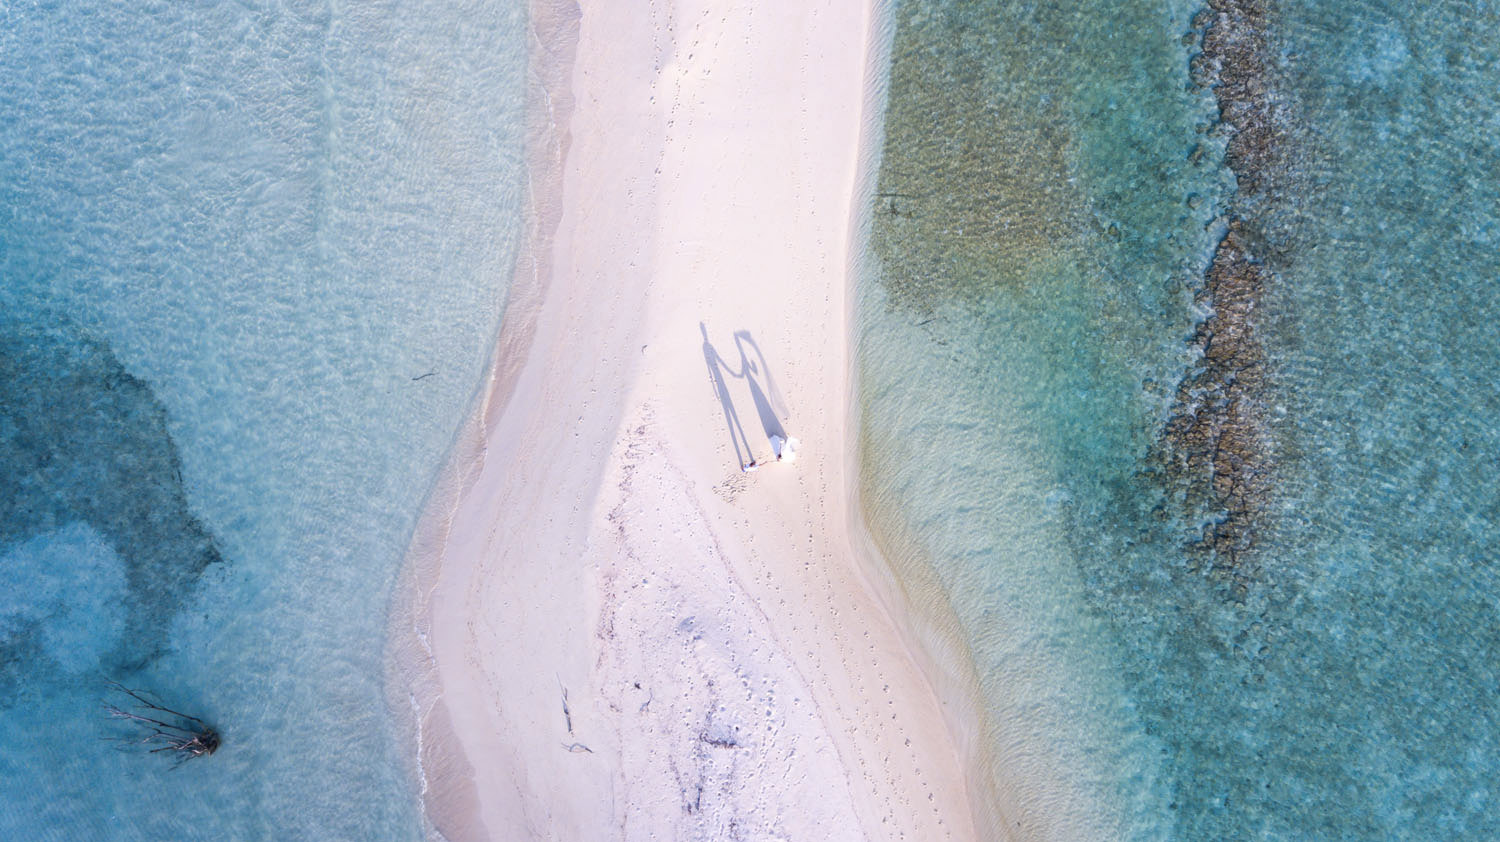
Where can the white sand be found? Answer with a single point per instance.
(617, 634)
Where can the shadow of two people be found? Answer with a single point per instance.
(769, 406)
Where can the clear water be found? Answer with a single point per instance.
(1050, 193)
(252, 259)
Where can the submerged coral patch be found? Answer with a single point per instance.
(100, 546)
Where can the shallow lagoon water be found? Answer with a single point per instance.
(252, 260)
(1051, 189)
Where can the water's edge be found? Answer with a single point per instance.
(927, 625)
(439, 767)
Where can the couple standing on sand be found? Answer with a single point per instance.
(784, 448)
(768, 403)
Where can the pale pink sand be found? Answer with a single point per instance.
(608, 631)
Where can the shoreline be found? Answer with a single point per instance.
(447, 794)
(519, 621)
(932, 631)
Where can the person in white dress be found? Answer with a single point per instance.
(784, 448)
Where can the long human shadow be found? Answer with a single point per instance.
(716, 368)
(768, 403)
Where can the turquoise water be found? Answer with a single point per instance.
(252, 260)
(1052, 187)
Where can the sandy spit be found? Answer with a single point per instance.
(606, 628)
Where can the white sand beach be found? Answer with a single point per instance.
(607, 628)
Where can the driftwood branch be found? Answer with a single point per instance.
(567, 713)
(158, 728)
